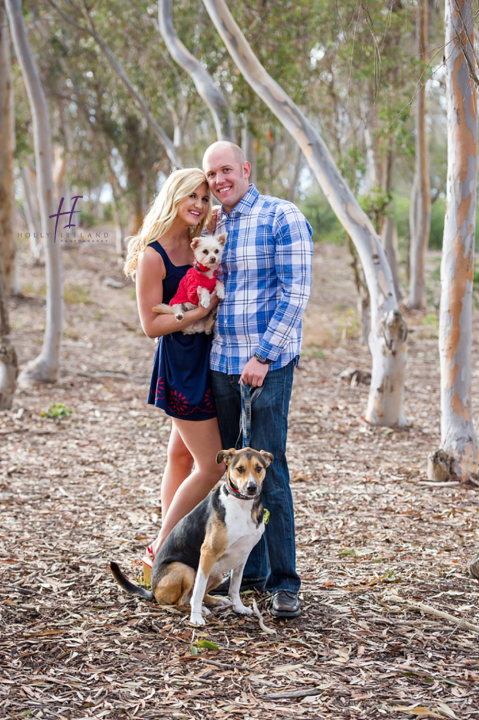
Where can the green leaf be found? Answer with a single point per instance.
(207, 644)
(194, 650)
(346, 552)
(266, 515)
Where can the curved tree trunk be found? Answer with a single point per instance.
(45, 367)
(119, 70)
(458, 437)
(8, 245)
(420, 212)
(387, 339)
(207, 90)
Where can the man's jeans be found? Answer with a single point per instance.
(274, 557)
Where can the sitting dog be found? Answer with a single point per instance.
(216, 536)
(198, 283)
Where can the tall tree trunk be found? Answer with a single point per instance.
(387, 339)
(420, 211)
(8, 356)
(135, 177)
(119, 70)
(388, 230)
(8, 245)
(458, 437)
(45, 367)
(31, 214)
(207, 90)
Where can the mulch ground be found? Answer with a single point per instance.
(81, 490)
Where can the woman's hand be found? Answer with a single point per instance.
(211, 227)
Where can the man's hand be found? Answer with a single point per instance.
(254, 373)
(211, 227)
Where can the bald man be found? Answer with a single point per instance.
(266, 270)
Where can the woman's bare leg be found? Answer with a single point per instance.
(203, 442)
(179, 465)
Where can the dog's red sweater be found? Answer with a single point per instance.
(189, 284)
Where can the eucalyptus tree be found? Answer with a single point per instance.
(420, 210)
(120, 71)
(7, 142)
(44, 367)
(387, 339)
(204, 83)
(458, 437)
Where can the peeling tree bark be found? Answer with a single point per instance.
(420, 212)
(45, 367)
(207, 90)
(8, 245)
(387, 340)
(458, 437)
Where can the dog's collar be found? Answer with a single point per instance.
(201, 268)
(235, 493)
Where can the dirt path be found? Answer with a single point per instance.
(80, 491)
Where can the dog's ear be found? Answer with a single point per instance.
(222, 238)
(195, 242)
(225, 456)
(268, 458)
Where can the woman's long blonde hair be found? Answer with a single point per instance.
(177, 187)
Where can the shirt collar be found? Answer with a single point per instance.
(245, 204)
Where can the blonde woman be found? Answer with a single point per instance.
(159, 256)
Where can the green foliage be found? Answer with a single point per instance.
(87, 219)
(76, 294)
(56, 411)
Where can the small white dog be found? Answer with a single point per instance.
(195, 287)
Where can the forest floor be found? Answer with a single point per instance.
(79, 491)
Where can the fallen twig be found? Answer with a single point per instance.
(429, 610)
(263, 627)
(448, 483)
(291, 694)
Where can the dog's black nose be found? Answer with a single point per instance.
(251, 487)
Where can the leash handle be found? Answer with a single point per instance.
(247, 400)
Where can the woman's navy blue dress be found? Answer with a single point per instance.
(180, 383)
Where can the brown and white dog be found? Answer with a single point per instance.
(215, 537)
(200, 280)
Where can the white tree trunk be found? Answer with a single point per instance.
(45, 367)
(31, 215)
(385, 406)
(207, 90)
(458, 437)
(420, 212)
(8, 244)
(119, 70)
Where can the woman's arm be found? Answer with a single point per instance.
(149, 292)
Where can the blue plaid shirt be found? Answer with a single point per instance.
(266, 269)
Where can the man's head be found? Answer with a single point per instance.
(227, 173)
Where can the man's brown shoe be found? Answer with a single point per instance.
(285, 604)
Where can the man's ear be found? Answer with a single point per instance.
(225, 456)
(195, 242)
(222, 238)
(246, 169)
(268, 458)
